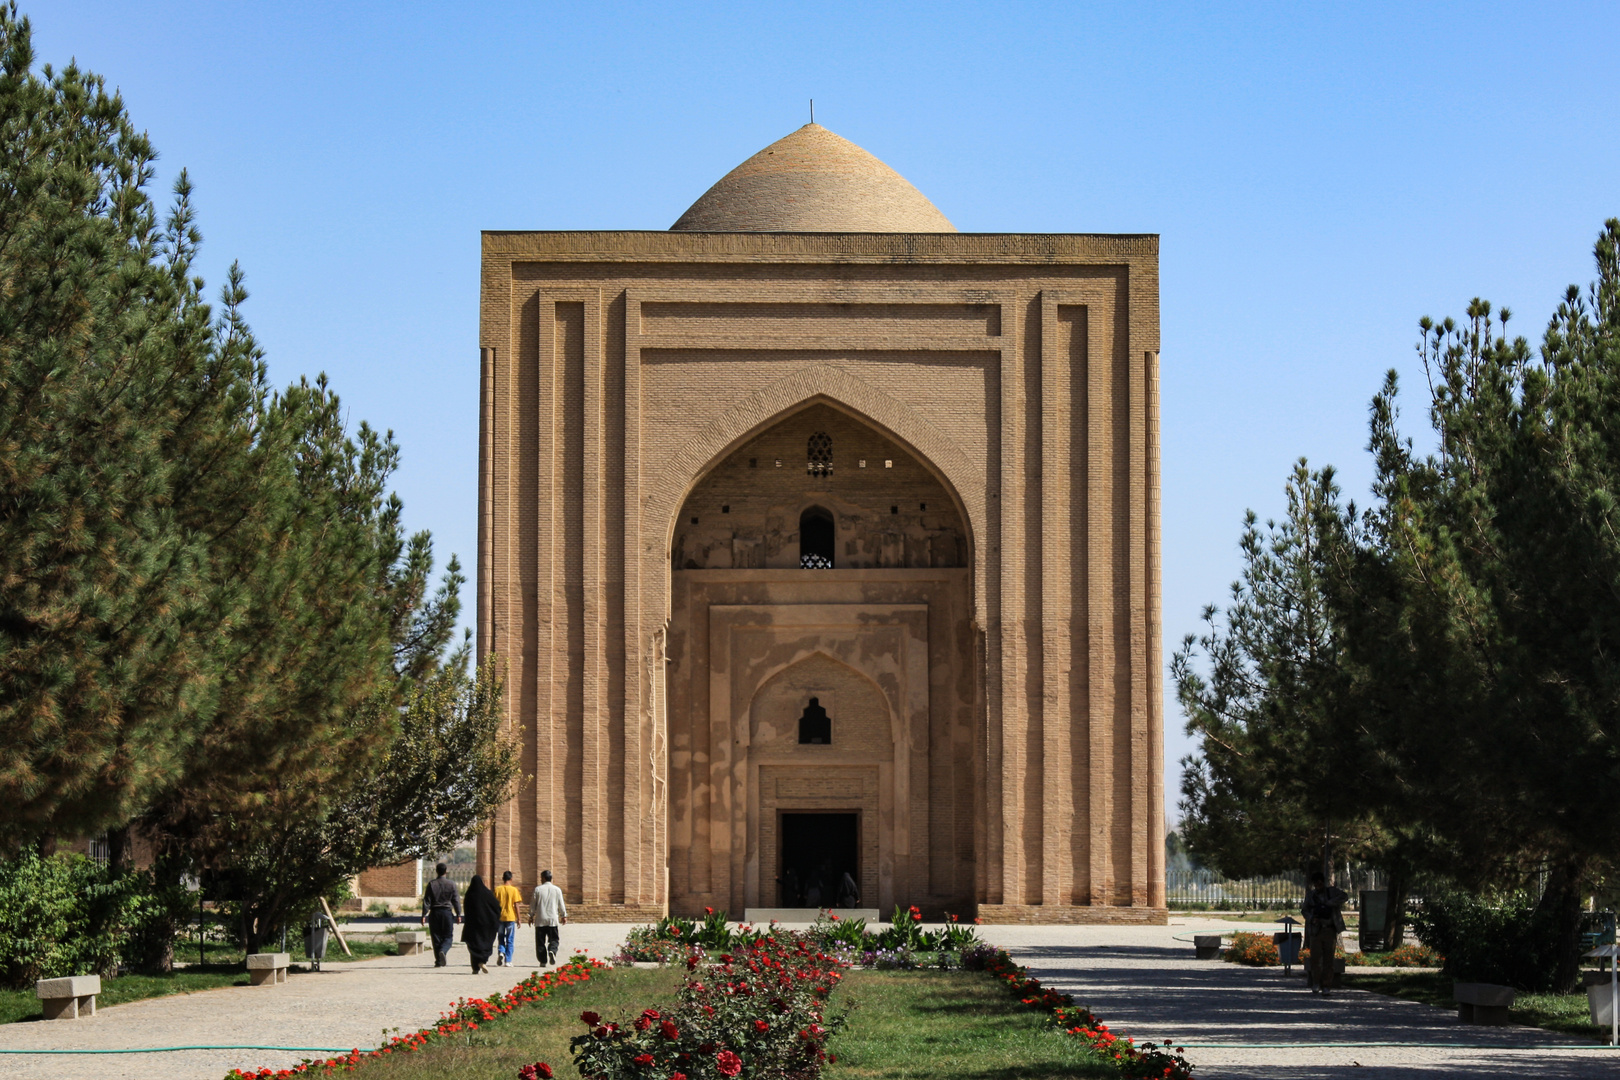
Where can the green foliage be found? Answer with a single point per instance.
(128, 423)
(1255, 800)
(1506, 939)
(66, 915)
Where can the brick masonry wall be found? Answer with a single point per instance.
(1021, 370)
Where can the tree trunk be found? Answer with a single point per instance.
(1395, 911)
(118, 852)
(1561, 902)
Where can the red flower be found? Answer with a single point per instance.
(760, 1025)
(728, 1063)
(677, 1076)
(708, 911)
(651, 1014)
(670, 1033)
(591, 1019)
(643, 1060)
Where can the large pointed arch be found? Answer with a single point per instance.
(829, 385)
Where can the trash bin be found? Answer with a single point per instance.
(315, 939)
(1288, 946)
(1207, 946)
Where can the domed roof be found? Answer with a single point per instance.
(813, 181)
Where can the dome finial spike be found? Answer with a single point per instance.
(812, 110)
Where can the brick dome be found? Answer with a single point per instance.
(813, 181)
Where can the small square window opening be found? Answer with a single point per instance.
(725, 509)
(888, 463)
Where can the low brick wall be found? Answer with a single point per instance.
(615, 913)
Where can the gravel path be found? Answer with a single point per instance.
(1143, 983)
(343, 1006)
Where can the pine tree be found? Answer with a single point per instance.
(1481, 613)
(1267, 791)
(127, 421)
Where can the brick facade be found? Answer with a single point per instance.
(989, 633)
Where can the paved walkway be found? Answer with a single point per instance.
(1143, 983)
(1139, 980)
(345, 1005)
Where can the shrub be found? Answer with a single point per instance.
(64, 915)
(1254, 949)
(1490, 939)
(760, 1011)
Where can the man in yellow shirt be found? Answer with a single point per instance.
(508, 896)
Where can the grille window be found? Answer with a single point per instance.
(816, 538)
(819, 453)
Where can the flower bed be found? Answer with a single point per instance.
(1257, 950)
(673, 937)
(1402, 956)
(761, 1009)
(463, 1017)
(1146, 1062)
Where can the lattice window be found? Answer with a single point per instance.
(819, 453)
(817, 538)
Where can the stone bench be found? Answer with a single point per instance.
(1482, 1003)
(268, 967)
(1207, 946)
(411, 942)
(69, 998)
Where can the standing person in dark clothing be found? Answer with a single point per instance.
(482, 922)
(439, 901)
(1324, 922)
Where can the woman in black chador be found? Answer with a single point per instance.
(481, 918)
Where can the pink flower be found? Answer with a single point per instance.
(728, 1063)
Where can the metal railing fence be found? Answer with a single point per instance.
(1200, 889)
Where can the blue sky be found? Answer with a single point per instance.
(1320, 175)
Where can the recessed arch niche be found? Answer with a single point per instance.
(882, 640)
(888, 509)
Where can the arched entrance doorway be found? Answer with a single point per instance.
(822, 696)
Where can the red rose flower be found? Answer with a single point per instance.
(760, 1025)
(677, 1076)
(591, 1019)
(728, 1063)
(670, 1033)
(643, 1060)
(651, 1014)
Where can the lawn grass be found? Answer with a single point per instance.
(1555, 1012)
(25, 1005)
(530, 1033)
(224, 968)
(950, 1023)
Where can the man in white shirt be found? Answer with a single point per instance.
(546, 914)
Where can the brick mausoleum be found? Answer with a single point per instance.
(820, 538)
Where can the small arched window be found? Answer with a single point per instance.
(816, 538)
(819, 454)
(815, 726)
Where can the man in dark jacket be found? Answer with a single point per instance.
(1324, 922)
(441, 910)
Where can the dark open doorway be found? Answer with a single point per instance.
(820, 860)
